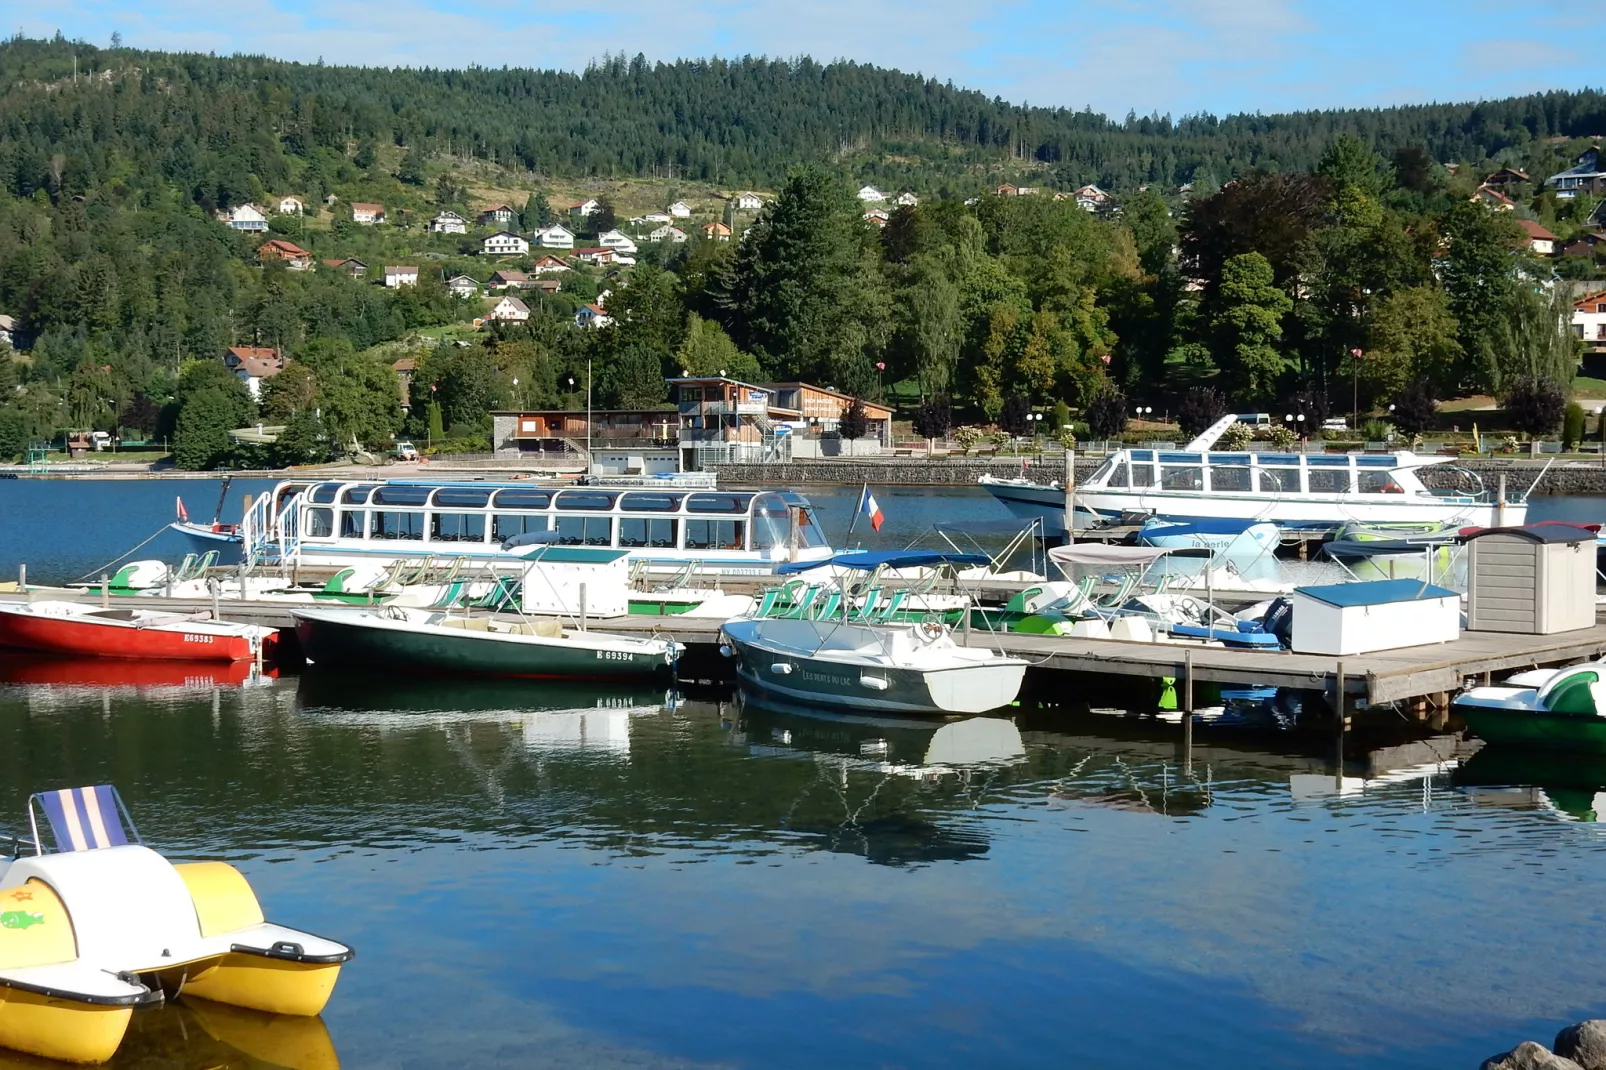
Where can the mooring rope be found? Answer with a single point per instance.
(92, 573)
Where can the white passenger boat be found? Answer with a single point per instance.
(341, 524)
(1292, 490)
(847, 661)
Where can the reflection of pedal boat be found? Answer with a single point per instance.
(103, 925)
(1570, 784)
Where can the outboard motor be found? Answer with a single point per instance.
(1279, 621)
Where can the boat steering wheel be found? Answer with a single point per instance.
(930, 630)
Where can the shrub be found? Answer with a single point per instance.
(1415, 408)
(1015, 417)
(1535, 405)
(1282, 438)
(1375, 430)
(966, 438)
(1200, 407)
(1106, 413)
(1572, 425)
(1236, 437)
(934, 418)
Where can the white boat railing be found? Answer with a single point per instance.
(268, 536)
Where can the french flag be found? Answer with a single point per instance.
(868, 508)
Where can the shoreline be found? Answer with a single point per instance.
(1561, 478)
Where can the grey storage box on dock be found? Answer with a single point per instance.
(1531, 580)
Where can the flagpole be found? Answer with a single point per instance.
(858, 507)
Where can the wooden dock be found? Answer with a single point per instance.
(1389, 676)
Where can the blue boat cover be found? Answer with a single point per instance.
(1203, 525)
(870, 559)
(1375, 592)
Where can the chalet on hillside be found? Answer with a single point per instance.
(1505, 177)
(350, 265)
(667, 233)
(748, 202)
(509, 309)
(548, 265)
(289, 253)
(498, 215)
(716, 232)
(555, 237)
(464, 286)
(1589, 319)
(399, 275)
(1586, 244)
(592, 316)
(246, 217)
(366, 213)
(253, 364)
(680, 210)
(448, 222)
(1540, 240)
(1494, 199)
(588, 207)
(871, 195)
(907, 200)
(617, 240)
(507, 279)
(596, 254)
(1585, 178)
(504, 243)
(291, 205)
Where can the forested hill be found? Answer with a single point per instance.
(226, 128)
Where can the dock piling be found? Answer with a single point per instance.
(1187, 712)
(1341, 724)
(212, 585)
(582, 607)
(105, 592)
(964, 627)
(1070, 493)
(22, 578)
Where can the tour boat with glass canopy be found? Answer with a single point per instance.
(339, 524)
(1292, 490)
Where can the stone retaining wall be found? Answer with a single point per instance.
(1563, 477)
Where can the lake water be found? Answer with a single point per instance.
(545, 875)
(553, 876)
(69, 529)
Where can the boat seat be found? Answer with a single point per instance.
(84, 819)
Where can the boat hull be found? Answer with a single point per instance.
(53, 1027)
(330, 641)
(1534, 729)
(975, 688)
(108, 639)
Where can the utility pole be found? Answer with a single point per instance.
(588, 416)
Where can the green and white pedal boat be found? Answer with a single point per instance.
(398, 639)
(1558, 709)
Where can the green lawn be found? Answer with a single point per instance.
(1584, 386)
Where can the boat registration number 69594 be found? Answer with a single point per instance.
(190, 637)
(614, 655)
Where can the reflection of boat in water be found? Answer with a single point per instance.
(198, 1034)
(107, 674)
(1573, 785)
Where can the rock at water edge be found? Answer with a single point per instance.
(1584, 1044)
(1529, 1055)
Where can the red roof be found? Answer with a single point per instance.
(283, 248)
(364, 206)
(1589, 300)
(593, 251)
(1536, 231)
(259, 362)
(1495, 195)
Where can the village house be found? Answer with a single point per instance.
(617, 240)
(907, 200)
(8, 330)
(504, 243)
(1586, 244)
(555, 237)
(1506, 176)
(246, 217)
(1584, 177)
(657, 217)
(499, 216)
(592, 316)
(448, 222)
(1091, 198)
(294, 257)
(545, 286)
(399, 275)
(509, 309)
(350, 265)
(1494, 199)
(877, 221)
(748, 202)
(596, 254)
(877, 215)
(291, 205)
(716, 232)
(1539, 239)
(820, 412)
(508, 280)
(585, 208)
(871, 195)
(548, 265)
(367, 214)
(667, 233)
(463, 286)
(679, 210)
(1589, 319)
(253, 364)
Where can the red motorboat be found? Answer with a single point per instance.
(70, 628)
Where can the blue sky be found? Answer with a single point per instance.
(1176, 56)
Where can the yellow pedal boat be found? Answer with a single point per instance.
(103, 925)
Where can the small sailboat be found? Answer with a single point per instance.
(57, 627)
(838, 657)
(209, 536)
(102, 925)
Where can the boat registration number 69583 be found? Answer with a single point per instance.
(190, 637)
(614, 655)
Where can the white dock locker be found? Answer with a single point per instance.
(1356, 618)
(1531, 580)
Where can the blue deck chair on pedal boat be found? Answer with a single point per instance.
(83, 819)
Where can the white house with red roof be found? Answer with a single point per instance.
(1539, 239)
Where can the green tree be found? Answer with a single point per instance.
(1245, 325)
(13, 432)
(8, 374)
(854, 423)
(1106, 413)
(927, 328)
(412, 168)
(707, 350)
(1153, 229)
(633, 378)
(1478, 272)
(293, 389)
(303, 440)
(537, 211)
(1415, 407)
(1412, 335)
(201, 439)
(469, 388)
(804, 293)
(1535, 406)
(362, 401)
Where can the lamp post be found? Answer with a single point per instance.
(1355, 388)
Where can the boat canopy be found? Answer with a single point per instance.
(873, 559)
(1093, 553)
(986, 527)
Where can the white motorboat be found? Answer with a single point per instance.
(914, 667)
(1293, 490)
